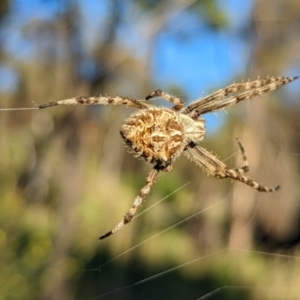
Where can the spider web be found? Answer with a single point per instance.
(220, 256)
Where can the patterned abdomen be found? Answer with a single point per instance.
(155, 134)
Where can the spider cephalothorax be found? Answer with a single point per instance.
(160, 135)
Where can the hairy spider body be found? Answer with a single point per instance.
(160, 135)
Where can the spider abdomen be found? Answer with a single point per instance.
(155, 134)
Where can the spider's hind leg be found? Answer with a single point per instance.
(213, 166)
(233, 174)
(238, 174)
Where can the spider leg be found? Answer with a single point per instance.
(178, 103)
(213, 166)
(82, 100)
(219, 100)
(245, 167)
(152, 177)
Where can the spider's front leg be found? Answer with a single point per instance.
(241, 91)
(213, 166)
(151, 179)
(178, 103)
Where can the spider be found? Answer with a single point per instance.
(159, 135)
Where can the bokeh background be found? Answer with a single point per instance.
(66, 179)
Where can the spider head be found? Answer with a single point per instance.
(194, 129)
